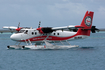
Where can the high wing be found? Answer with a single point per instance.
(67, 27)
(13, 29)
(43, 30)
(10, 27)
(73, 28)
(4, 31)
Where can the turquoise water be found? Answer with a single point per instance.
(89, 56)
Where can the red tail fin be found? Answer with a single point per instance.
(86, 23)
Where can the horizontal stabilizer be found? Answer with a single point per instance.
(93, 29)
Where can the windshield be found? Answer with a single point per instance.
(21, 31)
(26, 31)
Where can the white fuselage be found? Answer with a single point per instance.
(34, 36)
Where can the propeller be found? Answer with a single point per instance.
(18, 29)
(39, 24)
(18, 24)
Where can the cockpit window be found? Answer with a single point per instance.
(26, 32)
(21, 31)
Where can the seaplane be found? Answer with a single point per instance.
(49, 35)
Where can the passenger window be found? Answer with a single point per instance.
(57, 33)
(54, 33)
(32, 33)
(35, 33)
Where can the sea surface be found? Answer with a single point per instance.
(90, 55)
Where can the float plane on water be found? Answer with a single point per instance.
(50, 35)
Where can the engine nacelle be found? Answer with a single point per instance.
(43, 30)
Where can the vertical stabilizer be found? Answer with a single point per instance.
(86, 23)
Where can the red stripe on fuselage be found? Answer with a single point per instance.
(55, 38)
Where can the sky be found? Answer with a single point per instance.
(51, 13)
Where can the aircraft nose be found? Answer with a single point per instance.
(15, 37)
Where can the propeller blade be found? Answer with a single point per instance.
(39, 24)
(18, 24)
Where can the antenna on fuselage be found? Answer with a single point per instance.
(39, 24)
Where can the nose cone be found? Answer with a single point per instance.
(15, 37)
